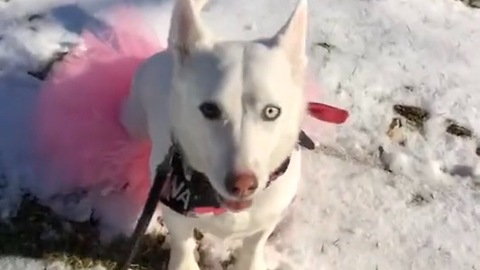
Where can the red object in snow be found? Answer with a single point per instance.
(327, 113)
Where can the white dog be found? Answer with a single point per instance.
(233, 109)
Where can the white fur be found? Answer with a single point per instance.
(242, 77)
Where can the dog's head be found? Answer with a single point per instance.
(237, 107)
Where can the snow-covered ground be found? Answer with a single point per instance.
(351, 213)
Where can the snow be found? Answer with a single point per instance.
(350, 213)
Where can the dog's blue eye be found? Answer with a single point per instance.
(271, 112)
(210, 111)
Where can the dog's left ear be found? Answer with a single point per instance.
(292, 38)
(187, 31)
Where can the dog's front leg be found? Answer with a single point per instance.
(252, 254)
(182, 242)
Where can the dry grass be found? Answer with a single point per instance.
(36, 232)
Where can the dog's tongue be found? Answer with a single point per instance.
(237, 206)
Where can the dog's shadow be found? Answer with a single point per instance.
(75, 19)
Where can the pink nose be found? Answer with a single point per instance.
(241, 185)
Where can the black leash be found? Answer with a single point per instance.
(153, 198)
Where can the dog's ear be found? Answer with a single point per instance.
(292, 38)
(186, 29)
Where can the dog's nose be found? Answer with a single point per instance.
(241, 185)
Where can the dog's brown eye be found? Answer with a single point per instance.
(210, 111)
(271, 112)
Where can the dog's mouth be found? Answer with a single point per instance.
(234, 205)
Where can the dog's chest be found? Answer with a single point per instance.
(237, 225)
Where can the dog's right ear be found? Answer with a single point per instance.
(186, 29)
(292, 38)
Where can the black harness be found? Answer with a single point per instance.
(186, 192)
